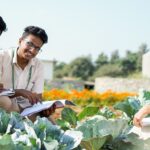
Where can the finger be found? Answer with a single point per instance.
(137, 122)
(52, 110)
(43, 113)
(32, 101)
(36, 97)
(46, 113)
(29, 96)
(54, 106)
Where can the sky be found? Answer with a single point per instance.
(79, 27)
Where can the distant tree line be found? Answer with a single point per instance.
(114, 66)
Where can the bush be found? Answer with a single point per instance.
(112, 70)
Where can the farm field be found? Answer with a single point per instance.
(100, 121)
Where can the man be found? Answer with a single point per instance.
(2, 25)
(23, 72)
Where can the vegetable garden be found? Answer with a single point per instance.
(100, 121)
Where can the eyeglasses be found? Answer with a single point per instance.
(31, 45)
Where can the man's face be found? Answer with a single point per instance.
(29, 47)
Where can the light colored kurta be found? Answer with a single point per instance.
(21, 77)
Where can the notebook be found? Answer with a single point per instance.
(7, 92)
(38, 107)
(145, 122)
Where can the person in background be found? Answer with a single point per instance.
(21, 71)
(145, 110)
(2, 25)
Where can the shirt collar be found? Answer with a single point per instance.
(14, 58)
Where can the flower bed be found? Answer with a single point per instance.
(86, 97)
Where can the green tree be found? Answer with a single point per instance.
(61, 70)
(129, 63)
(81, 67)
(101, 60)
(115, 58)
(111, 70)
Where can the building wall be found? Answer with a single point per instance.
(48, 69)
(146, 65)
(121, 84)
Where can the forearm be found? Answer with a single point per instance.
(145, 110)
(17, 93)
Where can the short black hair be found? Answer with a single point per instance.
(2, 25)
(36, 31)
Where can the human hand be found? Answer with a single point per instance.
(1, 86)
(32, 97)
(48, 112)
(140, 115)
(137, 120)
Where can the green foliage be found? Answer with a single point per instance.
(61, 70)
(129, 106)
(144, 97)
(25, 135)
(85, 69)
(101, 60)
(6, 143)
(126, 142)
(91, 129)
(107, 113)
(81, 67)
(88, 111)
(115, 58)
(71, 139)
(135, 75)
(129, 63)
(112, 70)
(69, 115)
(100, 133)
(133, 104)
(94, 143)
(65, 125)
(4, 120)
(55, 138)
(52, 145)
(99, 130)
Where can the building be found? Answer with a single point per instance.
(146, 64)
(103, 84)
(48, 69)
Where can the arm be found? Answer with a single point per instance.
(140, 115)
